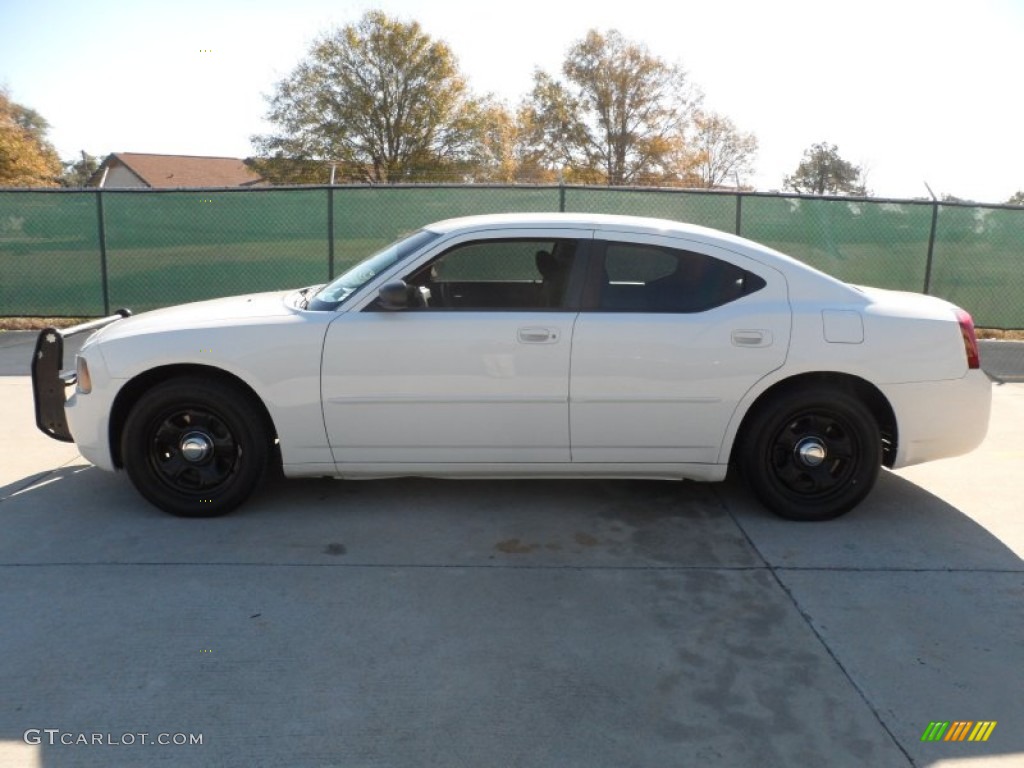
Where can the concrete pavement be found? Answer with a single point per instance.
(1003, 361)
(598, 623)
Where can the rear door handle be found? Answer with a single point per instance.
(537, 335)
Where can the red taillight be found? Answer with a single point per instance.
(970, 340)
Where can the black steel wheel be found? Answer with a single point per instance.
(195, 447)
(811, 455)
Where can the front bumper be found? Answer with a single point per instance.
(49, 381)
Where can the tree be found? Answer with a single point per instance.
(823, 172)
(498, 156)
(503, 151)
(281, 169)
(379, 98)
(27, 159)
(715, 153)
(617, 116)
(78, 172)
(948, 198)
(1017, 198)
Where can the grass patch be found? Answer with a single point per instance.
(38, 323)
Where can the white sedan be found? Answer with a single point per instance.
(530, 345)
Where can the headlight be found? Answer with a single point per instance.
(84, 383)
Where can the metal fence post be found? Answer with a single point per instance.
(330, 233)
(931, 249)
(103, 252)
(739, 212)
(561, 196)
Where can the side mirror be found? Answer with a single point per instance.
(394, 295)
(398, 294)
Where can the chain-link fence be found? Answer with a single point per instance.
(86, 252)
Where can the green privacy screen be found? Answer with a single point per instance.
(84, 252)
(717, 211)
(183, 246)
(367, 218)
(879, 244)
(979, 263)
(49, 254)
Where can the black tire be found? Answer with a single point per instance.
(195, 447)
(811, 454)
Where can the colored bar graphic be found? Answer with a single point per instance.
(982, 730)
(958, 730)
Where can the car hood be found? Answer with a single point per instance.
(235, 310)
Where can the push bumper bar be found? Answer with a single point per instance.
(48, 381)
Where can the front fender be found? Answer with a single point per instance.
(278, 359)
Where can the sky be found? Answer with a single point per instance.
(913, 92)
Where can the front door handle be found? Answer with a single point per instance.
(537, 335)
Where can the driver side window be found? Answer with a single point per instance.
(513, 274)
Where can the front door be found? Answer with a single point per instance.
(478, 373)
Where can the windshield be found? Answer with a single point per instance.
(336, 292)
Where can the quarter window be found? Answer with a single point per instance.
(650, 278)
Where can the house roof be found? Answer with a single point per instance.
(168, 171)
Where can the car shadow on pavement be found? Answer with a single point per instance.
(578, 523)
(900, 525)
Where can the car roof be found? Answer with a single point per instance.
(572, 221)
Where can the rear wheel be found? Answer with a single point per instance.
(811, 455)
(195, 447)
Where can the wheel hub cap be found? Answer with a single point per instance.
(196, 447)
(811, 452)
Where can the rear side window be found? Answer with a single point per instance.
(650, 278)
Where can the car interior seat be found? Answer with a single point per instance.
(554, 274)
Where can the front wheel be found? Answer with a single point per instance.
(195, 447)
(811, 455)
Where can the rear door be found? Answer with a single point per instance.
(671, 336)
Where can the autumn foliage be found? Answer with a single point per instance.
(27, 159)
